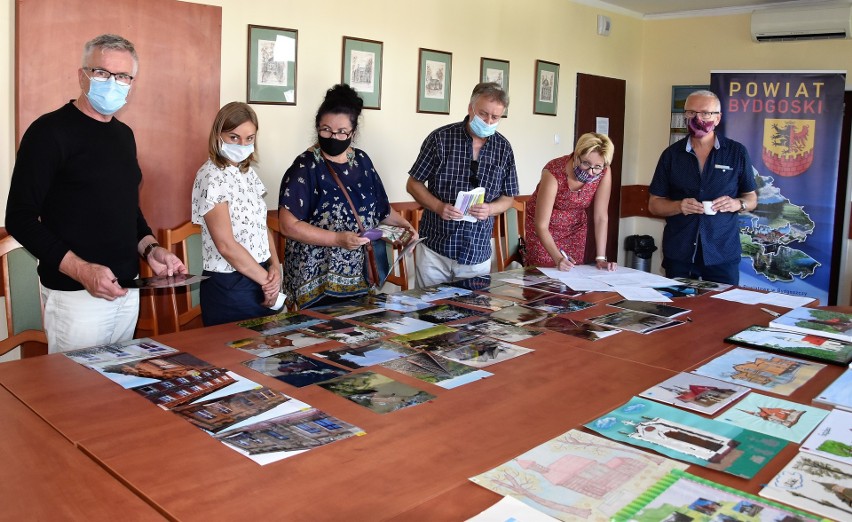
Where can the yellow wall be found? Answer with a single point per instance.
(651, 55)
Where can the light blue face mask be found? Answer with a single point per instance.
(480, 128)
(235, 152)
(107, 97)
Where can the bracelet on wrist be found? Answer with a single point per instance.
(148, 249)
(601, 258)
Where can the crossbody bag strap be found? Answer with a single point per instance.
(373, 271)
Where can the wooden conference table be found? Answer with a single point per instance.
(122, 454)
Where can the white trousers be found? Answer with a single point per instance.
(77, 320)
(432, 268)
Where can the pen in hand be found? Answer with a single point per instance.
(566, 256)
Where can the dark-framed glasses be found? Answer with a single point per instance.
(597, 169)
(341, 134)
(474, 171)
(102, 75)
(705, 115)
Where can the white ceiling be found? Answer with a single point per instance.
(686, 8)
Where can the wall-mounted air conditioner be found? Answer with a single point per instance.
(817, 22)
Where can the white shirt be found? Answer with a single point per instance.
(244, 194)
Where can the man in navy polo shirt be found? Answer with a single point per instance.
(700, 185)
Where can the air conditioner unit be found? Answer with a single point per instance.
(818, 22)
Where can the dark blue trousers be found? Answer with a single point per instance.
(229, 297)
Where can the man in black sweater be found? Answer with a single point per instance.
(74, 204)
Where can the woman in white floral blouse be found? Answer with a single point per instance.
(227, 201)
(325, 254)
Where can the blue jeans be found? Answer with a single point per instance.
(229, 297)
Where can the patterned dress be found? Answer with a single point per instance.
(310, 193)
(568, 222)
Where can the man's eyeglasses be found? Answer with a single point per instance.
(325, 132)
(102, 75)
(597, 169)
(705, 115)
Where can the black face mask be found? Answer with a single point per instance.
(334, 147)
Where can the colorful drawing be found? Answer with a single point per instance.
(681, 497)
(689, 437)
(838, 393)
(777, 417)
(832, 439)
(578, 476)
(760, 370)
(814, 484)
(695, 392)
(809, 346)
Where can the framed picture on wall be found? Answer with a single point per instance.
(497, 71)
(434, 78)
(362, 69)
(546, 87)
(271, 65)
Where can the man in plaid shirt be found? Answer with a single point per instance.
(455, 158)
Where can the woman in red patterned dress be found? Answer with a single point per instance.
(556, 221)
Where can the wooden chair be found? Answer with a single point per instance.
(510, 230)
(148, 310)
(185, 242)
(280, 240)
(24, 318)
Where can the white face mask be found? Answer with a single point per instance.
(235, 152)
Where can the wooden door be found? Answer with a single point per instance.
(172, 103)
(601, 97)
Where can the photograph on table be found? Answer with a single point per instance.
(221, 413)
(435, 293)
(367, 355)
(518, 315)
(650, 308)
(394, 322)
(445, 313)
(689, 437)
(477, 283)
(482, 301)
(696, 393)
(121, 352)
(482, 352)
(581, 329)
(376, 392)
(348, 309)
(133, 373)
(499, 330)
(295, 369)
(265, 345)
(435, 338)
(281, 437)
(399, 302)
(437, 370)
(631, 321)
(283, 322)
(760, 370)
(578, 476)
(558, 304)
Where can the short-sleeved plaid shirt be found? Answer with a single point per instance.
(444, 165)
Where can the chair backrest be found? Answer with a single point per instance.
(280, 240)
(185, 242)
(24, 320)
(510, 231)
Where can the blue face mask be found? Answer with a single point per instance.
(480, 128)
(107, 97)
(235, 152)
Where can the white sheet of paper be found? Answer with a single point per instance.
(641, 293)
(787, 301)
(738, 295)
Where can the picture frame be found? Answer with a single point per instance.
(361, 69)
(497, 71)
(546, 84)
(434, 79)
(272, 61)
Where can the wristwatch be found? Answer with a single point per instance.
(743, 207)
(148, 249)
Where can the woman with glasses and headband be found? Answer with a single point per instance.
(326, 253)
(556, 222)
(227, 201)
